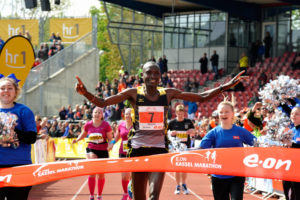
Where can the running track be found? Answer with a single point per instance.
(77, 189)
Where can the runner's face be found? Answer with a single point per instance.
(180, 115)
(151, 75)
(97, 113)
(128, 115)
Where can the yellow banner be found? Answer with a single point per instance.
(71, 30)
(65, 148)
(17, 57)
(11, 27)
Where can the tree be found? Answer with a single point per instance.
(110, 61)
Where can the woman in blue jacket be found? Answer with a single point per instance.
(227, 135)
(17, 149)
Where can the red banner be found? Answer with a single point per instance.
(274, 163)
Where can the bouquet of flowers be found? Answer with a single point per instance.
(8, 137)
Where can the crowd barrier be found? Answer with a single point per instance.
(267, 187)
(62, 148)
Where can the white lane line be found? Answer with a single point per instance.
(191, 191)
(78, 192)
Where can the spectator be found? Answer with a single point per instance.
(121, 72)
(59, 45)
(262, 79)
(28, 36)
(261, 51)
(192, 109)
(164, 79)
(37, 61)
(254, 52)
(161, 65)
(43, 132)
(187, 85)
(214, 122)
(214, 59)
(122, 85)
(152, 59)
(52, 37)
(268, 44)
(46, 47)
(165, 66)
(53, 49)
(62, 113)
(170, 82)
(16, 152)
(54, 130)
(70, 113)
(292, 189)
(140, 72)
(58, 38)
(77, 129)
(296, 63)
(227, 135)
(41, 52)
(203, 64)
(243, 63)
(38, 121)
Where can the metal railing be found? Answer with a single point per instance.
(60, 60)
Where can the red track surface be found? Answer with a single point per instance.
(77, 189)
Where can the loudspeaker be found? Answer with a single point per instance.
(57, 2)
(30, 3)
(45, 4)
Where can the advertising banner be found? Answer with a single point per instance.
(272, 163)
(12, 27)
(17, 57)
(71, 30)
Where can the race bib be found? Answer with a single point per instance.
(96, 138)
(151, 117)
(182, 135)
(125, 146)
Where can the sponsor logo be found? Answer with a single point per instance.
(12, 60)
(15, 30)
(45, 169)
(268, 163)
(70, 32)
(236, 137)
(187, 159)
(6, 178)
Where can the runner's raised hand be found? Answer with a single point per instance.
(80, 88)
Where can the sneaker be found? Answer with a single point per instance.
(91, 197)
(125, 197)
(177, 191)
(99, 197)
(184, 189)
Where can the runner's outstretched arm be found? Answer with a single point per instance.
(204, 96)
(127, 94)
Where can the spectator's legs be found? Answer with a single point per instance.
(220, 188)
